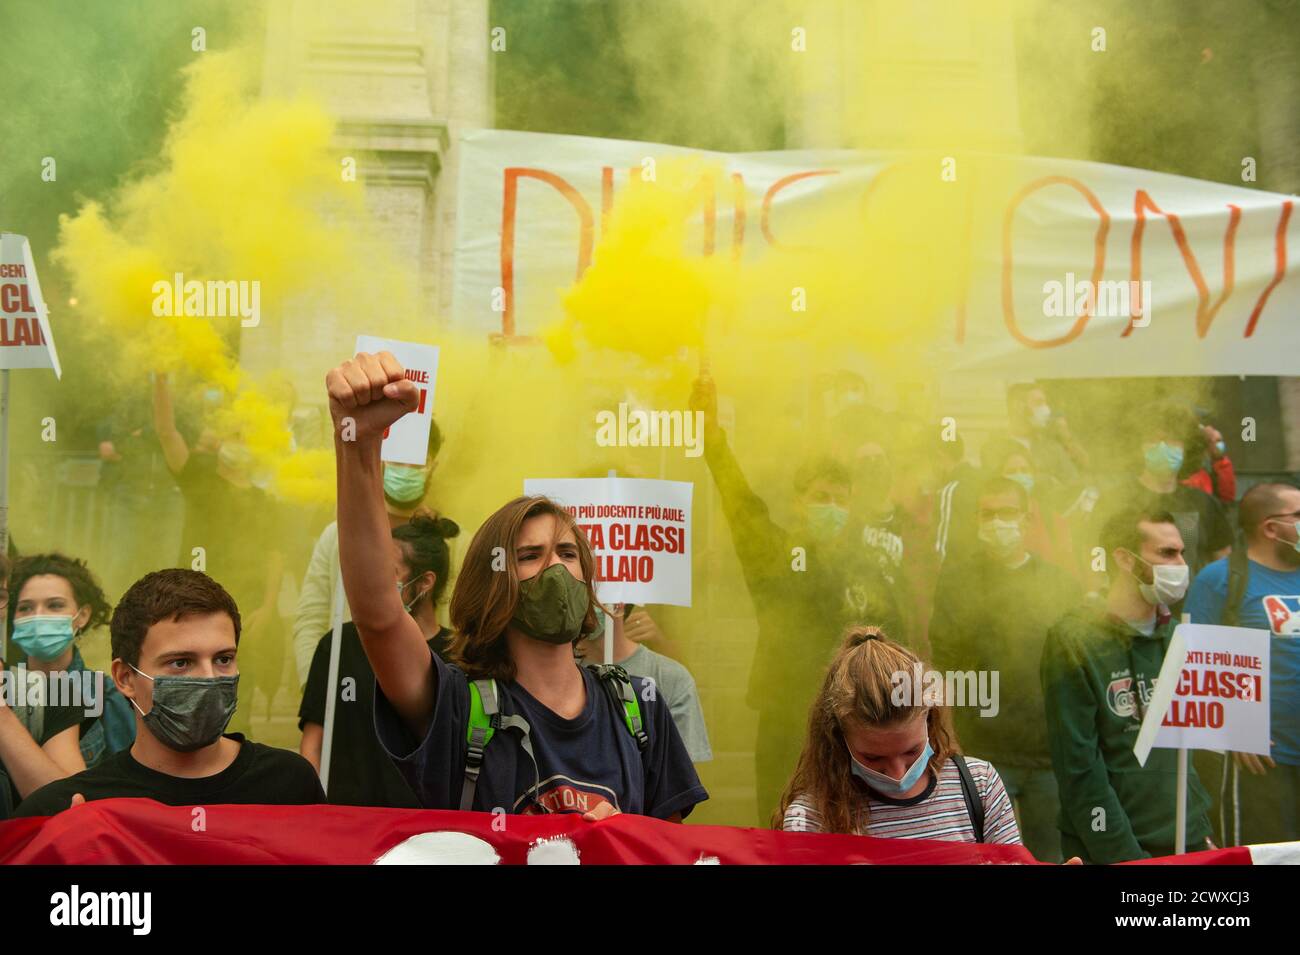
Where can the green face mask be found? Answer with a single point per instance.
(552, 606)
(404, 484)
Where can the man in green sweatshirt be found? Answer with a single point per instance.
(1099, 670)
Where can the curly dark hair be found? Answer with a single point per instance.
(85, 588)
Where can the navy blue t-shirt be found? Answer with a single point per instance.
(581, 762)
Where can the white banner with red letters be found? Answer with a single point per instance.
(1081, 269)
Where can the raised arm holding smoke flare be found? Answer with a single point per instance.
(236, 526)
(807, 582)
(561, 737)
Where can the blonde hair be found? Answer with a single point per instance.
(485, 598)
(859, 687)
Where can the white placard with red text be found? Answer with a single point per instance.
(25, 338)
(1212, 693)
(640, 532)
(407, 440)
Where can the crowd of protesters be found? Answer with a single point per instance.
(1026, 566)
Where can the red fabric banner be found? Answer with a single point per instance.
(140, 831)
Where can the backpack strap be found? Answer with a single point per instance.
(618, 687)
(1238, 577)
(485, 718)
(974, 805)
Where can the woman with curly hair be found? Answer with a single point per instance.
(64, 719)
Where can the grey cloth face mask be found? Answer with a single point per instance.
(190, 712)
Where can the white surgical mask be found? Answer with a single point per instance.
(1040, 416)
(1169, 583)
(1295, 543)
(1003, 535)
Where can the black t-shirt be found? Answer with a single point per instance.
(260, 775)
(361, 774)
(989, 618)
(581, 763)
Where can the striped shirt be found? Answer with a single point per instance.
(937, 813)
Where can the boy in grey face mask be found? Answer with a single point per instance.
(175, 635)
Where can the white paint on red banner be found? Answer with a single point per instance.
(558, 850)
(441, 848)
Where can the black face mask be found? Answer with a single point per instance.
(552, 606)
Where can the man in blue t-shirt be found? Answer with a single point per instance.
(1270, 520)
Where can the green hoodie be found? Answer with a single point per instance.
(1090, 664)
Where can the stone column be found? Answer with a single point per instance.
(402, 78)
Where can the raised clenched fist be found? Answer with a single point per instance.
(369, 393)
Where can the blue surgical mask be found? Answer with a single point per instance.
(827, 520)
(404, 484)
(888, 785)
(401, 593)
(43, 637)
(1164, 458)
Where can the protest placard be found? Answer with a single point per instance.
(1212, 693)
(25, 337)
(640, 532)
(407, 440)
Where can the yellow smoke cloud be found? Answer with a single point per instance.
(246, 190)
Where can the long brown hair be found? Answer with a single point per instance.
(487, 588)
(859, 687)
